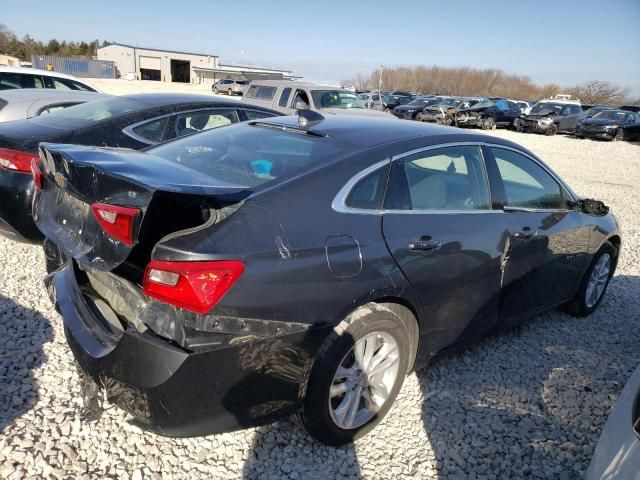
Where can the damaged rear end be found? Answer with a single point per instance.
(141, 327)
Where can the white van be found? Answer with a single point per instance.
(287, 96)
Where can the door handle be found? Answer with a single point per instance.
(525, 233)
(425, 245)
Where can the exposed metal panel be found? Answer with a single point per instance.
(79, 67)
(150, 63)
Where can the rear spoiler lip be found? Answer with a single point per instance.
(144, 169)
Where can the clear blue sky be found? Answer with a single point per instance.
(565, 42)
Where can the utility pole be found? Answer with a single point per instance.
(380, 80)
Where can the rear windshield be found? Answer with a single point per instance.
(90, 112)
(250, 154)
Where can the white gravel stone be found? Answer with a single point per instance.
(530, 402)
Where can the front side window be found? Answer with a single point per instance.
(67, 84)
(448, 178)
(194, 122)
(266, 93)
(526, 183)
(337, 99)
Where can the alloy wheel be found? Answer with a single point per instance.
(364, 379)
(598, 280)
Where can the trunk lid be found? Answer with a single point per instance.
(25, 135)
(167, 195)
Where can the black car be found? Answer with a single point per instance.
(135, 121)
(631, 108)
(410, 110)
(304, 265)
(488, 114)
(593, 109)
(389, 101)
(610, 125)
(551, 117)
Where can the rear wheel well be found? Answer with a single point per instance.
(409, 317)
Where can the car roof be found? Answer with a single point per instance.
(375, 131)
(157, 99)
(26, 94)
(37, 71)
(295, 83)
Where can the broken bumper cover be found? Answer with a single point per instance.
(466, 120)
(536, 126)
(179, 392)
(606, 134)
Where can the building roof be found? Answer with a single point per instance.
(158, 50)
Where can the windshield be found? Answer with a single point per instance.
(90, 112)
(617, 115)
(335, 99)
(250, 154)
(546, 107)
(419, 102)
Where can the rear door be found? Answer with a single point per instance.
(446, 239)
(546, 244)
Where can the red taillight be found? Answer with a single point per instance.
(37, 172)
(195, 286)
(116, 221)
(16, 160)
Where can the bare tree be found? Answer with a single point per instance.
(600, 92)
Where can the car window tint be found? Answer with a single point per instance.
(9, 80)
(194, 122)
(153, 130)
(448, 178)
(369, 191)
(256, 115)
(284, 97)
(526, 183)
(252, 92)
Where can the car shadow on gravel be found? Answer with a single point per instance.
(531, 402)
(23, 332)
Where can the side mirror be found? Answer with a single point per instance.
(590, 206)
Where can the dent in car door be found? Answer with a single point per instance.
(440, 229)
(547, 242)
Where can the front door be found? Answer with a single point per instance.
(547, 244)
(446, 239)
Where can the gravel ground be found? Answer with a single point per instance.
(530, 402)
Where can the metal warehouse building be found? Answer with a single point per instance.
(169, 66)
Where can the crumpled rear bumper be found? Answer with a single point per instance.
(179, 392)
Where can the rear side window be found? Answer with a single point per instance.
(256, 115)
(526, 183)
(266, 93)
(152, 131)
(284, 97)
(252, 92)
(9, 80)
(368, 193)
(448, 178)
(199, 121)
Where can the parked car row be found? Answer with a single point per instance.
(548, 116)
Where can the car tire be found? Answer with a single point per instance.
(229, 92)
(583, 303)
(328, 418)
(215, 90)
(419, 117)
(619, 136)
(53, 256)
(550, 132)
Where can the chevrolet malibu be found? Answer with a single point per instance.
(304, 265)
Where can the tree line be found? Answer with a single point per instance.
(24, 48)
(490, 82)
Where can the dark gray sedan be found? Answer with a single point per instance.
(304, 264)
